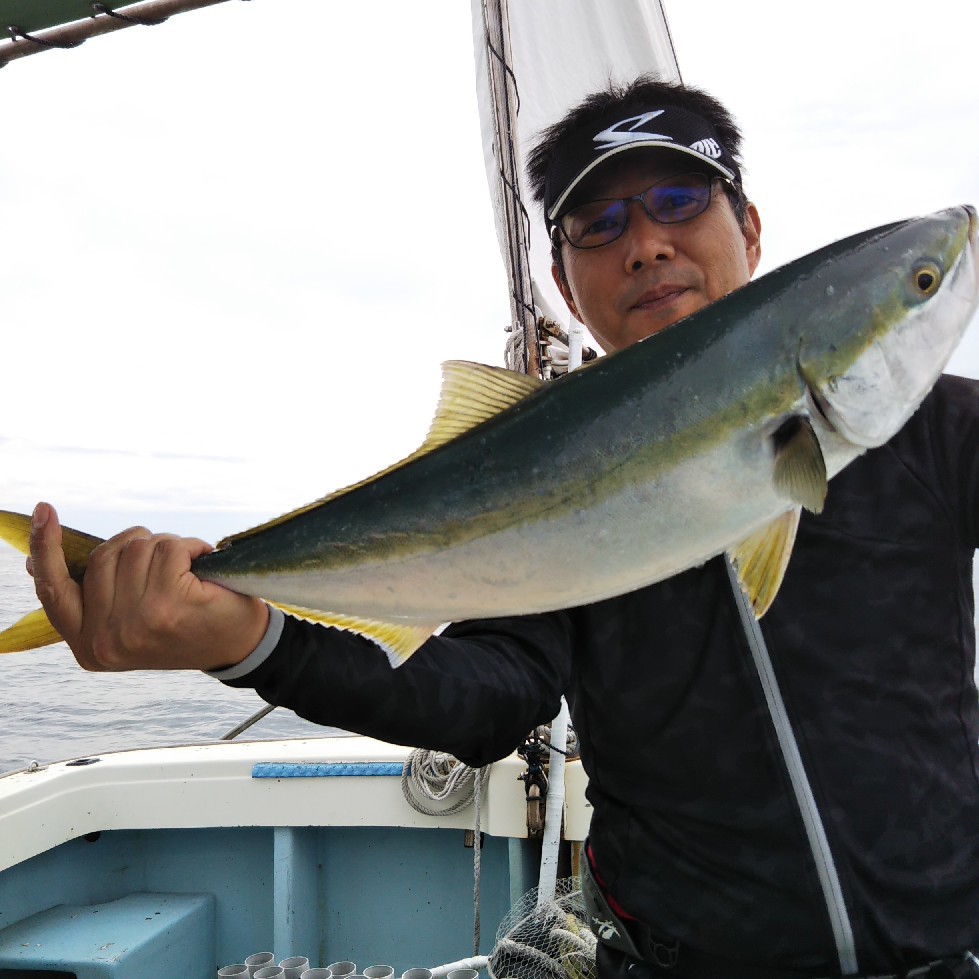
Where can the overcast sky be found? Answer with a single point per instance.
(235, 248)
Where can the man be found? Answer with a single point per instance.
(800, 800)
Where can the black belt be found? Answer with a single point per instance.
(654, 955)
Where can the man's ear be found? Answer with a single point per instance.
(752, 237)
(562, 283)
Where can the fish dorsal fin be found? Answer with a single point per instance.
(474, 393)
(800, 470)
(471, 394)
(31, 632)
(397, 641)
(15, 529)
(761, 559)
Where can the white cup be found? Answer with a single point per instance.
(239, 971)
(342, 969)
(463, 974)
(272, 972)
(317, 974)
(260, 960)
(294, 966)
(379, 972)
(417, 974)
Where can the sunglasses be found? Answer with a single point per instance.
(668, 201)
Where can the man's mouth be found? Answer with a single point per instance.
(661, 296)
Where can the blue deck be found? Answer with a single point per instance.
(401, 896)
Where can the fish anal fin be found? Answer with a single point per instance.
(33, 631)
(762, 558)
(799, 469)
(471, 394)
(398, 641)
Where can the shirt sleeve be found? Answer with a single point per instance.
(475, 691)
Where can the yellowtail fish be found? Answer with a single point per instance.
(707, 437)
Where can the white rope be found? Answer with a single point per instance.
(437, 776)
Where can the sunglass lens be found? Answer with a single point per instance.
(595, 224)
(678, 199)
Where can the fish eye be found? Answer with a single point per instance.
(927, 276)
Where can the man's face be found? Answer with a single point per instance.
(654, 274)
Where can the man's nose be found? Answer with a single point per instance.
(646, 240)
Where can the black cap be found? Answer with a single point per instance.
(668, 128)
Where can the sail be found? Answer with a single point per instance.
(535, 59)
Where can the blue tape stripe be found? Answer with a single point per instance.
(269, 769)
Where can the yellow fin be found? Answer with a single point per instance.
(761, 559)
(800, 470)
(31, 632)
(471, 394)
(15, 529)
(397, 641)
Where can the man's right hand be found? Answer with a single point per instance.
(139, 607)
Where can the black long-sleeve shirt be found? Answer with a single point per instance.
(697, 828)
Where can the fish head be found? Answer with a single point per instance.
(898, 300)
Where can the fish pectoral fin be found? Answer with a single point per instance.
(800, 470)
(33, 631)
(761, 559)
(15, 529)
(398, 641)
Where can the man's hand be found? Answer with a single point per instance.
(139, 607)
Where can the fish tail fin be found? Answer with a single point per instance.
(15, 529)
(33, 631)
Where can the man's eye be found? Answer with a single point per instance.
(600, 225)
(677, 200)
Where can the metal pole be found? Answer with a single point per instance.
(73, 34)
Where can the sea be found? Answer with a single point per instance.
(52, 710)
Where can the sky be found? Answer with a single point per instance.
(235, 249)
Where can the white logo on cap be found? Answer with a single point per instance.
(620, 133)
(708, 147)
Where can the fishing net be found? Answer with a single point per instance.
(547, 941)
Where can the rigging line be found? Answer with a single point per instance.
(245, 725)
(669, 37)
(17, 32)
(506, 69)
(513, 204)
(104, 8)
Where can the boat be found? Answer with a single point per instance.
(174, 861)
(177, 861)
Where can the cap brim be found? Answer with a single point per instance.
(637, 144)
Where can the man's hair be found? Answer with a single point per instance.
(644, 93)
